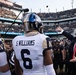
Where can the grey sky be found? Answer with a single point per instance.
(40, 5)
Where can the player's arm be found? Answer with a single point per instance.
(4, 66)
(18, 69)
(66, 34)
(47, 57)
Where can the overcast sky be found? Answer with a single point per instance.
(46, 5)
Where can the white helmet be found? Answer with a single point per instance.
(32, 22)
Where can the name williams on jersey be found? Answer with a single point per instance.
(25, 42)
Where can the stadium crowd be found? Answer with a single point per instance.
(15, 28)
(18, 28)
(7, 13)
(58, 15)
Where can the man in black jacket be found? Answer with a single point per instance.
(72, 51)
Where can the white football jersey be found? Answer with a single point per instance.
(29, 52)
(3, 61)
(3, 58)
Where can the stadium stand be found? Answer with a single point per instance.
(7, 17)
(65, 19)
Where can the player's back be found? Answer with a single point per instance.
(29, 52)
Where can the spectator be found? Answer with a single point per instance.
(33, 50)
(72, 53)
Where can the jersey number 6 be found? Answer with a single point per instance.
(25, 60)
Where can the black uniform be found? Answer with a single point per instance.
(72, 65)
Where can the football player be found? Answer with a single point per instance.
(33, 50)
(4, 66)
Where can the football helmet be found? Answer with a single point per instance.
(31, 22)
